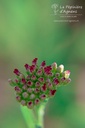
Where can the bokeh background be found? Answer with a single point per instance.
(27, 31)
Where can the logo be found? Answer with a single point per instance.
(55, 8)
(66, 13)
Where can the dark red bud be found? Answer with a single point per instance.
(56, 81)
(27, 66)
(23, 80)
(52, 92)
(43, 88)
(29, 83)
(43, 64)
(34, 61)
(16, 71)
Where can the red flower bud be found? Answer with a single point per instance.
(56, 81)
(37, 84)
(47, 70)
(41, 79)
(23, 102)
(37, 101)
(36, 90)
(27, 66)
(33, 77)
(52, 92)
(43, 96)
(34, 61)
(17, 89)
(23, 80)
(39, 72)
(18, 98)
(32, 68)
(49, 85)
(43, 88)
(43, 64)
(30, 83)
(16, 71)
(30, 104)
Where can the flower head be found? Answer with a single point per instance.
(40, 82)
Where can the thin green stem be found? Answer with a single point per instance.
(34, 117)
(40, 113)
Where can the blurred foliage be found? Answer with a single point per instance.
(27, 30)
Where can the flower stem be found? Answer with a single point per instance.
(39, 112)
(34, 117)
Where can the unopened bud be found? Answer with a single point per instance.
(37, 84)
(63, 79)
(23, 102)
(24, 87)
(39, 72)
(30, 83)
(36, 90)
(60, 68)
(17, 72)
(27, 67)
(41, 79)
(43, 63)
(57, 74)
(43, 88)
(56, 81)
(66, 74)
(23, 80)
(68, 80)
(34, 62)
(48, 80)
(52, 92)
(37, 101)
(25, 95)
(11, 82)
(18, 90)
(54, 65)
(30, 104)
(33, 77)
(16, 81)
(49, 85)
(21, 76)
(29, 90)
(43, 96)
(28, 77)
(32, 96)
(18, 98)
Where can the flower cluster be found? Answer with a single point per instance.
(39, 83)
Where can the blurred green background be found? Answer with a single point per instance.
(27, 31)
